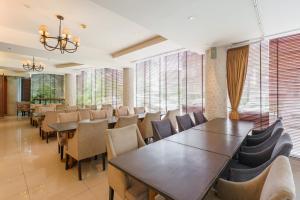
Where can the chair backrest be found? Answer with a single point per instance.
(50, 118)
(60, 107)
(108, 109)
(90, 139)
(122, 140)
(139, 110)
(184, 122)
(199, 118)
(71, 108)
(122, 111)
(98, 114)
(283, 147)
(43, 109)
(146, 126)
(171, 115)
(126, 121)
(84, 114)
(279, 183)
(162, 129)
(68, 117)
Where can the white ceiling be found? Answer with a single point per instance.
(117, 24)
(216, 22)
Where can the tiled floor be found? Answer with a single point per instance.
(31, 169)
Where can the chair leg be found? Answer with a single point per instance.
(111, 193)
(103, 161)
(47, 136)
(79, 170)
(61, 152)
(96, 157)
(67, 161)
(40, 131)
(58, 148)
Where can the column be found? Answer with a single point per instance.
(128, 88)
(70, 89)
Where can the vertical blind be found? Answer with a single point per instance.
(47, 86)
(168, 82)
(272, 86)
(100, 86)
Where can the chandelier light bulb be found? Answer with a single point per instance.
(43, 30)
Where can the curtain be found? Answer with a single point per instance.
(237, 60)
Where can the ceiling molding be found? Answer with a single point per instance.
(149, 42)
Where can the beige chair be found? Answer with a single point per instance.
(62, 138)
(126, 121)
(37, 120)
(274, 183)
(146, 126)
(60, 107)
(50, 118)
(91, 107)
(171, 115)
(84, 114)
(122, 111)
(118, 142)
(71, 108)
(88, 141)
(139, 110)
(98, 114)
(108, 108)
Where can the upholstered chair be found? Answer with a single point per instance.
(84, 114)
(259, 136)
(50, 118)
(60, 107)
(184, 122)
(71, 108)
(40, 110)
(199, 118)
(98, 114)
(127, 120)
(118, 142)
(122, 111)
(139, 110)
(88, 141)
(108, 108)
(146, 126)
(274, 183)
(250, 165)
(171, 115)
(162, 129)
(62, 138)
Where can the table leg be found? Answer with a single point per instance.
(151, 194)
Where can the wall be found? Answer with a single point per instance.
(70, 89)
(215, 84)
(12, 92)
(128, 88)
(13, 73)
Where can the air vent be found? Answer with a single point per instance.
(64, 65)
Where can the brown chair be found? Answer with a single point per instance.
(146, 126)
(162, 129)
(127, 120)
(122, 111)
(98, 114)
(139, 110)
(118, 142)
(184, 122)
(199, 118)
(274, 183)
(50, 118)
(88, 141)
(171, 115)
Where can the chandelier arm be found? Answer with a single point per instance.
(49, 48)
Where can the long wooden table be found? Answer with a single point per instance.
(186, 165)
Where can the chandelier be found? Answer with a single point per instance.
(62, 42)
(32, 66)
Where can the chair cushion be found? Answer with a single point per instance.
(98, 114)
(235, 164)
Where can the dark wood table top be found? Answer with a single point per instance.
(209, 141)
(174, 170)
(61, 127)
(227, 126)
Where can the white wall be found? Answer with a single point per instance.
(215, 84)
(70, 89)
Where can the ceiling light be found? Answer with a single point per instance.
(83, 26)
(191, 18)
(32, 66)
(62, 42)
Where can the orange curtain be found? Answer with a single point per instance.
(237, 61)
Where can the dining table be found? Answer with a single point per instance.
(187, 164)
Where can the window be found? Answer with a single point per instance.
(100, 86)
(272, 86)
(49, 86)
(168, 82)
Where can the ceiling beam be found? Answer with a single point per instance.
(149, 42)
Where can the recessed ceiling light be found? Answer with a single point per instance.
(191, 18)
(26, 5)
(83, 26)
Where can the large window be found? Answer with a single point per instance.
(272, 86)
(169, 82)
(47, 86)
(100, 86)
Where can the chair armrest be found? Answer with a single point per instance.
(255, 159)
(257, 132)
(117, 180)
(253, 140)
